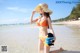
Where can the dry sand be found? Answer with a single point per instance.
(77, 22)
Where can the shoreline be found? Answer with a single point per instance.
(76, 22)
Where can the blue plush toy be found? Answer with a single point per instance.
(50, 39)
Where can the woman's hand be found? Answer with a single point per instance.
(33, 12)
(54, 35)
(54, 38)
(51, 31)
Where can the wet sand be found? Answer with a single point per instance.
(24, 38)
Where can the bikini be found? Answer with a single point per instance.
(45, 39)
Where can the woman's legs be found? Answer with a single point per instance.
(46, 49)
(41, 46)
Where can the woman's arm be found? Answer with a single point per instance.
(32, 21)
(50, 27)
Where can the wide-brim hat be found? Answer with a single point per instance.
(43, 6)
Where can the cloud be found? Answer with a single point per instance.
(17, 9)
(5, 21)
(14, 20)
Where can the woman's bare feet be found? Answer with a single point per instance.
(61, 49)
(57, 51)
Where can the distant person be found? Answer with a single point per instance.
(44, 23)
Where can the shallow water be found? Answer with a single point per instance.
(24, 38)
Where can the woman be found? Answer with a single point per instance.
(44, 23)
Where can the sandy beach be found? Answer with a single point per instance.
(24, 38)
(77, 22)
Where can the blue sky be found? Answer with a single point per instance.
(19, 11)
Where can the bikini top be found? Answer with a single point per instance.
(42, 22)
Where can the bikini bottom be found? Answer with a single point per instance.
(48, 41)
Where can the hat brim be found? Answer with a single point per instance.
(37, 9)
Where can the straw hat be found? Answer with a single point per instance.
(43, 6)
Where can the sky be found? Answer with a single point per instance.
(19, 11)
